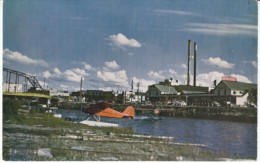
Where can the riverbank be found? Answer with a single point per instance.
(43, 137)
(222, 113)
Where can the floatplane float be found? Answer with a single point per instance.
(103, 109)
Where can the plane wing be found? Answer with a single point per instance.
(105, 110)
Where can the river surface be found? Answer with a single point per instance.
(234, 138)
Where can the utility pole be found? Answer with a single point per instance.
(44, 83)
(138, 85)
(169, 95)
(81, 87)
(80, 93)
(132, 87)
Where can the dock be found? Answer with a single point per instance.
(237, 114)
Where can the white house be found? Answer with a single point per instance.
(59, 93)
(239, 90)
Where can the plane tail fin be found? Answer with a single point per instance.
(129, 112)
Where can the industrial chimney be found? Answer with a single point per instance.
(188, 69)
(195, 62)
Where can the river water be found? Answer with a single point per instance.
(234, 138)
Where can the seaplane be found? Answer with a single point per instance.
(103, 109)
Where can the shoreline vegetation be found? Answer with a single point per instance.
(37, 136)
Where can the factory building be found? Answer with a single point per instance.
(162, 94)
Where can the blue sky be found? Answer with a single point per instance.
(111, 42)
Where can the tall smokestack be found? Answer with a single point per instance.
(188, 69)
(195, 62)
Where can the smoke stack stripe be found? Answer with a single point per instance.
(195, 62)
(188, 69)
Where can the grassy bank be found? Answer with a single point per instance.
(48, 120)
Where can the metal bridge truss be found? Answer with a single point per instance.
(32, 79)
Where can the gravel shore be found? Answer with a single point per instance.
(39, 143)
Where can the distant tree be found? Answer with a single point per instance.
(120, 98)
(252, 96)
(10, 108)
(132, 96)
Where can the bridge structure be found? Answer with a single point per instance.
(16, 78)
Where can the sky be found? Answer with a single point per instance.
(109, 43)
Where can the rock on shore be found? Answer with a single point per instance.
(23, 143)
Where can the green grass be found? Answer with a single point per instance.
(48, 120)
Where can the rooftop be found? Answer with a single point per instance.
(166, 89)
(239, 85)
(191, 89)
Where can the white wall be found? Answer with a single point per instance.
(59, 93)
(12, 87)
(242, 100)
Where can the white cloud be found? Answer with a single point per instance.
(156, 75)
(143, 87)
(175, 12)
(118, 77)
(12, 56)
(184, 66)
(87, 66)
(241, 78)
(207, 79)
(57, 71)
(77, 71)
(172, 72)
(254, 63)
(121, 40)
(112, 65)
(164, 74)
(73, 74)
(218, 62)
(46, 74)
(223, 29)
